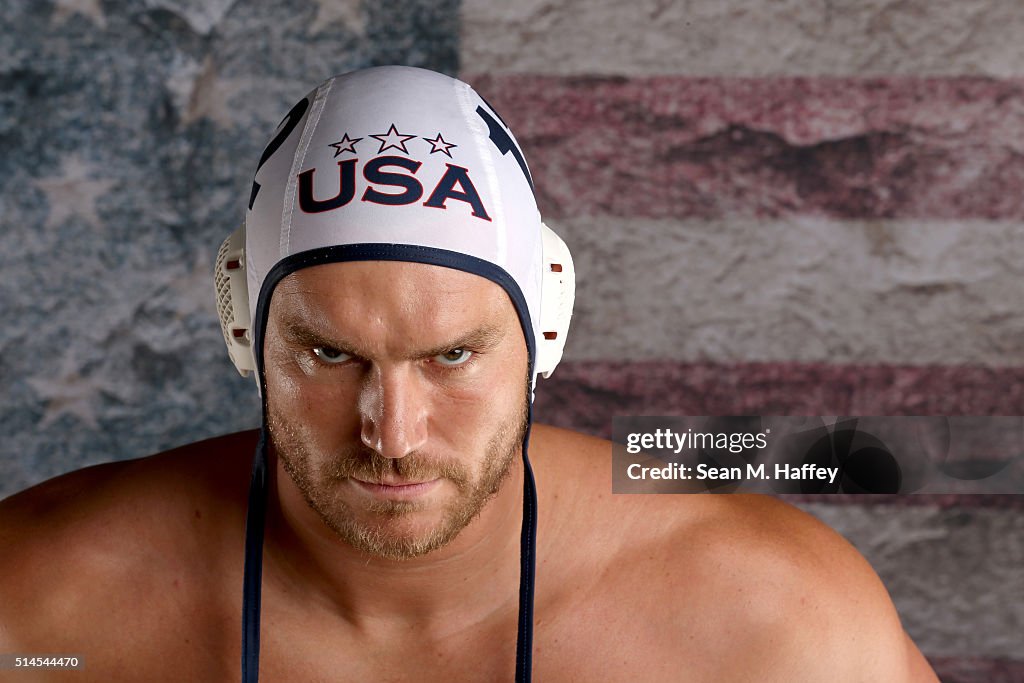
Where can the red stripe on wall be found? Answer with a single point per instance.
(897, 147)
(977, 670)
(584, 395)
(944, 501)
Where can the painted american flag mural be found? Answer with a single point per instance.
(774, 208)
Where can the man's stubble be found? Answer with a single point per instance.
(386, 538)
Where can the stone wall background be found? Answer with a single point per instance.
(675, 145)
(130, 131)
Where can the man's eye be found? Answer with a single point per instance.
(454, 357)
(330, 356)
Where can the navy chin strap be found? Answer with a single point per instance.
(527, 566)
(252, 585)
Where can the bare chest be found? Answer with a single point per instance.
(311, 650)
(617, 638)
(586, 641)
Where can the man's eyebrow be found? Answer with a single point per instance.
(482, 338)
(297, 330)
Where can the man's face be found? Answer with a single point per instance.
(396, 398)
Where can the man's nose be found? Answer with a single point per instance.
(393, 411)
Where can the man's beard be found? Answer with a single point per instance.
(318, 482)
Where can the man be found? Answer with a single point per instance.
(396, 296)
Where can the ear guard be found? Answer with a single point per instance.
(233, 301)
(558, 293)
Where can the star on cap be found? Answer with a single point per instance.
(439, 145)
(392, 139)
(345, 144)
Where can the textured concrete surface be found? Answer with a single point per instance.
(977, 670)
(672, 147)
(945, 568)
(805, 289)
(737, 38)
(585, 395)
(129, 132)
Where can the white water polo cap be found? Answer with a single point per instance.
(395, 163)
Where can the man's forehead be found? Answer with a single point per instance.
(329, 278)
(427, 293)
(389, 309)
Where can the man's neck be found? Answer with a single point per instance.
(472, 579)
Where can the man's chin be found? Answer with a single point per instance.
(394, 529)
(401, 537)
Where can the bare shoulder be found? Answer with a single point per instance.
(753, 579)
(808, 600)
(126, 492)
(102, 546)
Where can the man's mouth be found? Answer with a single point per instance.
(393, 488)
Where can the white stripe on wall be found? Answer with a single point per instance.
(739, 38)
(805, 290)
